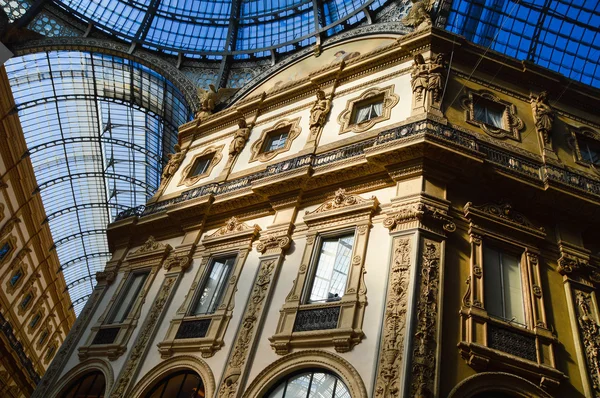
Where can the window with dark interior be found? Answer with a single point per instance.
(331, 269)
(16, 277)
(488, 112)
(4, 250)
(90, 385)
(201, 165)
(182, 384)
(368, 109)
(43, 337)
(589, 150)
(210, 295)
(310, 384)
(35, 320)
(26, 300)
(503, 286)
(127, 297)
(276, 139)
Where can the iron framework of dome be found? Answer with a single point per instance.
(98, 126)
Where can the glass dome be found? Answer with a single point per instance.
(216, 27)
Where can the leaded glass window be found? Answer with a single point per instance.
(331, 269)
(590, 150)
(503, 285)
(90, 385)
(182, 384)
(276, 140)
(211, 294)
(312, 384)
(126, 299)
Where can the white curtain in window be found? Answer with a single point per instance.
(378, 108)
(363, 114)
(487, 115)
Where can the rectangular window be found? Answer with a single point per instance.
(488, 112)
(16, 276)
(210, 295)
(276, 140)
(26, 300)
(126, 299)
(201, 165)
(331, 270)
(590, 151)
(365, 111)
(43, 337)
(503, 286)
(4, 250)
(35, 320)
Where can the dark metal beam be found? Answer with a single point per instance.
(80, 300)
(83, 258)
(30, 14)
(232, 32)
(66, 239)
(96, 174)
(105, 140)
(84, 206)
(77, 282)
(146, 23)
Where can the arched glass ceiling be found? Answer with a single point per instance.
(560, 35)
(219, 27)
(98, 129)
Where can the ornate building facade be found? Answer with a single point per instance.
(390, 216)
(35, 313)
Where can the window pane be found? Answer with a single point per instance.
(367, 112)
(200, 165)
(15, 278)
(211, 294)
(492, 282)
(313, 384)
(513, 289)
(298, 387)
(4, 250)
(488, 112)
(323, 385)
(126, 300)
(590, 151)
(276, 140)
(331, 272)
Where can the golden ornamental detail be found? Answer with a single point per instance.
(273, 242)
(504, 211)
(340, 200)
(590, 335)
(232, 226)
(177, 260)
(151, 245)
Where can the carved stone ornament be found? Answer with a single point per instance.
(419, 212)
(319, 112)
(217, 154)
(172, 165)
(340, 200)
(177, 260)
(273, 242)
(427, 83)
(210, 98)
(511, 124)
(141, 343)
(424, 345)
(247, 332)
(390, 100)
(8, 226)
(232, 226)
(150, 245)
(257, 149)
(106, 276)
(390, 354)
(590, 336)
(419, 16)
(544, 117)
(240, 137)
(567, 264)
(503, 210)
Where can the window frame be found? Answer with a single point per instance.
(337, 216)
(123, 292)
(270, 135)
(485, 339)
(216, 151)
(257, 148)
(389, 100)
(312, 370)
(205, 278)
(376, 99)
(184, 334)
(511, 123)
(579, 135)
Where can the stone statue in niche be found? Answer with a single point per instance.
(318, 112)
(544, 117)
(173, 164)
(419, 16)
(240, 137)
(427, 81)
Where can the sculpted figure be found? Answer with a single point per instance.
(240, 138)
(319, 112)
(170, 169)
(419, 77)
(419, 16)
(435, 84)
(210, 98)
(543, 115)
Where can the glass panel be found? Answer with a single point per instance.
(310, 385)
(276, 140)
(493, 282)
(43, 337)
(331, 272)
(323, 385)
(26, 301)
(513, 289)
(200, 165)
(183, 384)
(127, 298)
(15, 278)
(488, 112)
(298, 386)
(211, 293)
(91, 385)
(4, 250)
(35, 320)
(590, 151)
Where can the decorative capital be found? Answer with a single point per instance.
(273, 243)
(419, 212)
(150, 246)
(106, 276)
(232, 225)
(177, 260)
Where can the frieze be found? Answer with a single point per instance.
(419, 212)
(503, 212)
(340, 200)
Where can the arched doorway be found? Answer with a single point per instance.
(313, 383)
(89, 385)
(181, 384)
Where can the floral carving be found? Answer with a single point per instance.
(590, 335)
(273, 242)
(247, 332)
(232, 225)
(418, 213)
(390, 355)
(340, 199)
(177, 260)
(424, 361)
(173, 164)
(150, 245)
(141, 343)
(504, 211)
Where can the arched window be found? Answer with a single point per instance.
(182, 384)
(316, 383)
(493, 394)
(89, 385)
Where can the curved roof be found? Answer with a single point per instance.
(220, 27)
(97, 129)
